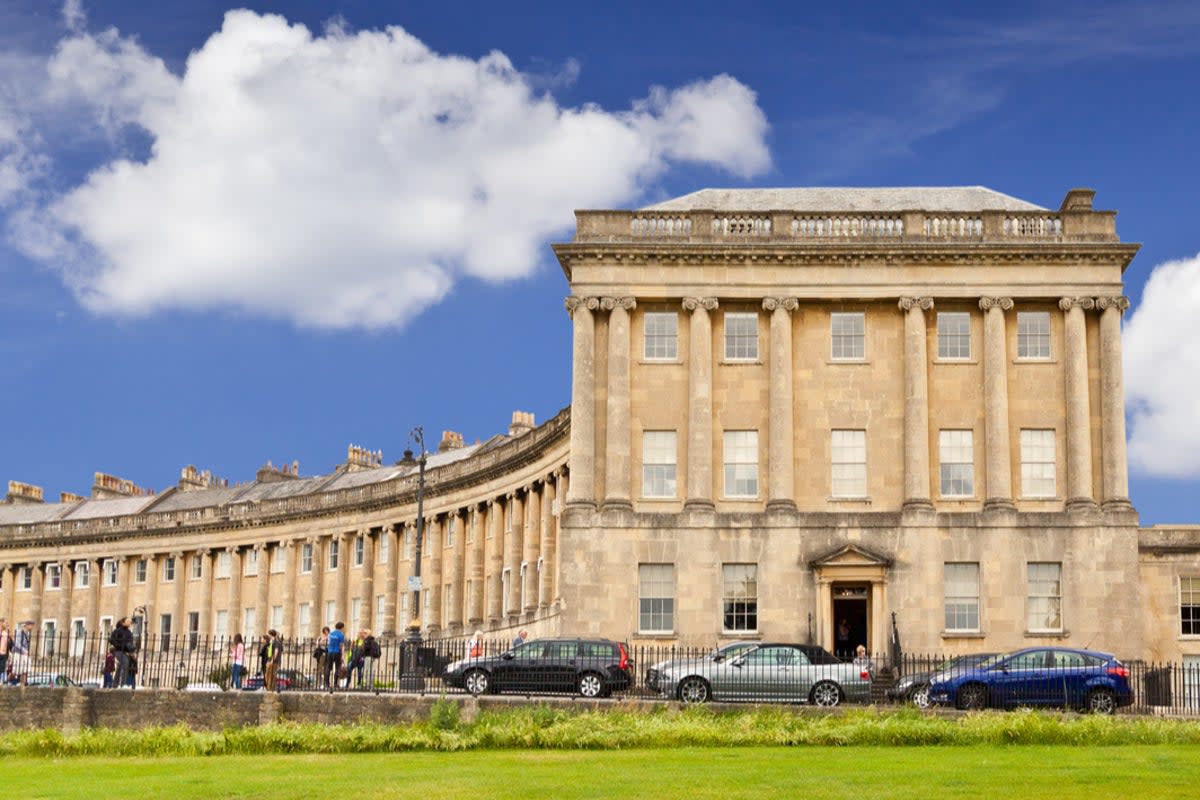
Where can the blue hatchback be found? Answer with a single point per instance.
(1038, 676)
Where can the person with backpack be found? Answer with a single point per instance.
(354, 662)
(121, 640)
(333, 655)
(371, 654)
(274, 655)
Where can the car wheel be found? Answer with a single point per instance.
(825, 694)
(477, 682)
(972, 696)
(920, 696)
(1101, 701)
(694, 690)
(591, 685)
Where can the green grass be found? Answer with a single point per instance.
(863, 773)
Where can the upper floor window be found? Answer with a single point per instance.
(661, 336)
(224, 564)
(168, 570)
(334, 546)
(471, 526)
(53, 576)
(250, 562)
(83, 574)
(408, 532)
(1038, 463)
(741, 463)
(957, 457)
(197, 567)
(110, 572)
(962, 596)
(360, 545)
(954, 335)
(384, 545)
(278, 560)
(741, 337)
(451, 526)
(1189, 605)
(658, 464)
(1033, 334)
(25, 579)
(306, 557)
(848, 451)
(1044, 603)
(139, 571)
(848, 336)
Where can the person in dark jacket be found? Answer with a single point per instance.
(273, 648)
(122, 644)
(371, 652)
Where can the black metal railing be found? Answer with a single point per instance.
(668, 672)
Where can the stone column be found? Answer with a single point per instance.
(8, 576)
(341, 593)
(95, 579)
(262, 601)
(532, 539)
(458, 577)
(916, 405)
(699, 466)
(316, 583)
(495, 601)
(179, 601)
(366, 589)
(66, 592)
(781, 481)
(825, 613)
(1115, 478)
(545, 593)
(512, 552)
(437, 538)
(150, 595)
(879, 628)
(617, 459)
(236, 618)
(124, 568)
(37, 596)
(474, 569)
(207, 614)
(995, 404)
(583, 400)
(1080, 494)
(290, 576)
(391, 581)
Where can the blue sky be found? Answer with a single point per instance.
(227, 239)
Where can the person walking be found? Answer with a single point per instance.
(110, 667)
(274, 650)
(121, 640)
(333, 654)
(5, 646)
(321, 656)
(237, 659)
(371, 654)
(21, 654)
(520, 638)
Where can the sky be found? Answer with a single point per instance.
(239, 234)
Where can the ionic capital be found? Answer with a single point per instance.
(693, 303)
(609, 303)
(1002, 303)
(785, 303)
(1120, 303)
(1086, 303)
(574, 302)
(909, 303)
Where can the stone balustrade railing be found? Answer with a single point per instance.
(834, 228)
(395, 491)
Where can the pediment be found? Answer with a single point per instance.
(850, 555)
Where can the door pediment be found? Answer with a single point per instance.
(850, 555)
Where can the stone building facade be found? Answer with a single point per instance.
(805, 414)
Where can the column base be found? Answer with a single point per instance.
(781, 506)
(699, 504)
(617, 504)
(999, 504)
(1081, 505)
(916, 510)
(1117, 505)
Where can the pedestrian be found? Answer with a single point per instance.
(520, 638)
(475, 645)
(321, 656)
(133, 670)
(862, 660)
(274, 652)
(20, 652)
(110, 667)
(121, 640)
(237, 659)
(333, 655)
(371, 654)
(5, 646)
(354, 658)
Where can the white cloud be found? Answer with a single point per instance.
(1162, 373)
(346, 179)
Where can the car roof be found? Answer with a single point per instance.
(1097, 653)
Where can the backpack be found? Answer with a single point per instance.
(371, 648)
(114, 640)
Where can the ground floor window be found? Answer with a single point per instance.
(1189, 605)
(739, 597)
(962, 596)
(1045, 596)
(656, 598)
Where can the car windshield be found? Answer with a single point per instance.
(730, 650)
(991, 662)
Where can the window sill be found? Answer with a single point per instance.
(660, 499)
(1061, 634)
(741, 362)
(1040, 499)
(864, 499)
(848, 361)
(964, 635)
(655, 635)
(959, 498)
(741, 498)
(1035, 361)
(956, 361)
(750, 635)
(653, 361)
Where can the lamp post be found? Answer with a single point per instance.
(412, 680)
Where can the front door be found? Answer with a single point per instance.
(851, 620)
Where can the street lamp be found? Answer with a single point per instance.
(411, 680)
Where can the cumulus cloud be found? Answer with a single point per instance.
(1162, 373)
(345, 178)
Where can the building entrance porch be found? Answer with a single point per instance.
(851, 597)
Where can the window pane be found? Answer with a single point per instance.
(957, 463)
(741, 463)
(661, 336)
(656, 597)
(1045, 596)
(1033, 334)
(847, 335)
(658, 464)
(741, 336)
(954, 335)
(962, 596)
(1038, 467)
(740, 597)
(848, 454)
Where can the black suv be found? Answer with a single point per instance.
(591, 667)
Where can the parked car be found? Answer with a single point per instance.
(56, 679)
(285, 679)
(1038, 676)
(591, 667)
(768, 671)
(914, 687)
(815, 653)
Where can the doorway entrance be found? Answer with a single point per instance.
(851, 604)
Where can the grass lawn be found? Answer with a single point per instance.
(863, 773)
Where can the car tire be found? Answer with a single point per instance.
(477, 682)
(694, 690)
(1102, 701)
(591, 685)
(972, 696)
(825, 694)
(919, 697)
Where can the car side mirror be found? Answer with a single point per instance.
(509, 656)
(738, 662)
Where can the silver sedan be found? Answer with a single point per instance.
(770, 672)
